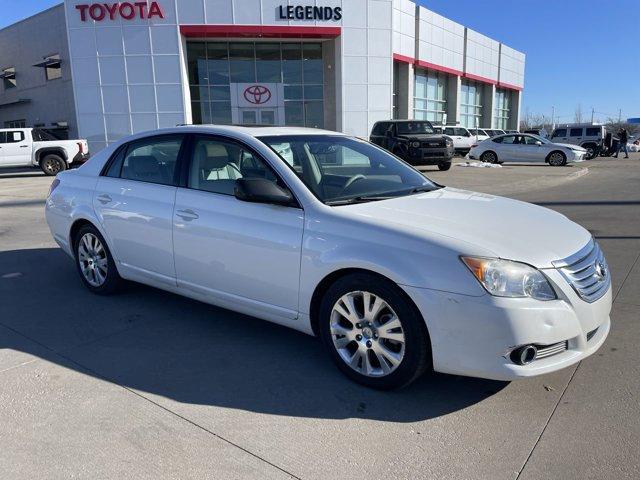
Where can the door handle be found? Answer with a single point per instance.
(104, 199)
(24, 146)
(187, 215)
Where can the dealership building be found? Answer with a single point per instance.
(104, 70)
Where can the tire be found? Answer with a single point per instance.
(592, 151)
(89, 258)
(489, 157)
(52, 164)
(557, 159)
(444, 166)
(380, 362)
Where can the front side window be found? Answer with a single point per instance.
(560, 132)
(341, 169)
(380, 128)
(151, 160)
(216, 165)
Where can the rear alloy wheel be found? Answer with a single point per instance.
(489, 157)
(52, 164)
(95, 264)
(373, 332)
(557, 159)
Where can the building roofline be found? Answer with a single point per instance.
(33, 16)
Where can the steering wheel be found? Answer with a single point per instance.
(352, 180)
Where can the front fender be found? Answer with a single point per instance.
(405, 261)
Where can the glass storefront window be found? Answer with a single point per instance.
(471, 104)
(502, 107)
(268, 68)
(430, 98)
(296, 65)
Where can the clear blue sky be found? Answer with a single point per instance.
(578, 51)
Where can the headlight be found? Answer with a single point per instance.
(449, 142)
(415, 144)
(504, 278)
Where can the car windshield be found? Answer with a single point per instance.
(342, 170)
(408, 128)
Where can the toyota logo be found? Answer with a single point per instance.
(601, 271)
(257, 94)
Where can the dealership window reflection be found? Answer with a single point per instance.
(470, 104)
(502, 109)
(298, 66)
(430, 101)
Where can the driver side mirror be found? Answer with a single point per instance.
(261, 190)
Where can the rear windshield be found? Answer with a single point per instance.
(42, 136)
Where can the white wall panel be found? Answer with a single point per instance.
(482, 55)
(403, 26)
(440, 40)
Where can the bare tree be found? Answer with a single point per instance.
(578, 114)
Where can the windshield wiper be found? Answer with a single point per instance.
(359, 199)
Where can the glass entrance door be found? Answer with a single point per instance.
(258, 116)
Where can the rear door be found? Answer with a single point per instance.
(15, 149)
(233, 252)
(134, 201)
(576, 135)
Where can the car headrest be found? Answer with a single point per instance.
(144, 165)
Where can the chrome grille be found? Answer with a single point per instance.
(548, 350)
(587, 272)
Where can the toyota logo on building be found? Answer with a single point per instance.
(257, 94)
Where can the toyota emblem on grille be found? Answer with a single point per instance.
(257, 94)
(601, 271)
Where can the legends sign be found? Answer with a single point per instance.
(309, 12)
(125, 10)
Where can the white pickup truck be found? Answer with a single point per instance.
(33, 147)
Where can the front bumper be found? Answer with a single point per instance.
(430, 155)
(474, 336)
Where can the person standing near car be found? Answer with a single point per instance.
(624, 138)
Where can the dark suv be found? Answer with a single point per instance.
(414, 141)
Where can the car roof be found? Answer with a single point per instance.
(260, 131)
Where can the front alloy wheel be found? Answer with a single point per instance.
(557, 159)
(373, 332)
(367, 334)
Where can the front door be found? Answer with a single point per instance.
(134, 203)
(258, 116)
(238, 254)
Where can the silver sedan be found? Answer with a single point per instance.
(525, 148)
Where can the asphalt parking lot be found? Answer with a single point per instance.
(147, 384)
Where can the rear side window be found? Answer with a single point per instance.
(216, 165)
(151, 160)
(593, 132)
(11, 137)
(560, 132)
(462, 132)
(576, 132)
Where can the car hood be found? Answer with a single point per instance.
(507, 228)
(572, 147)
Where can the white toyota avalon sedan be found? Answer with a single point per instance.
(525, 147)
(335, 237)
